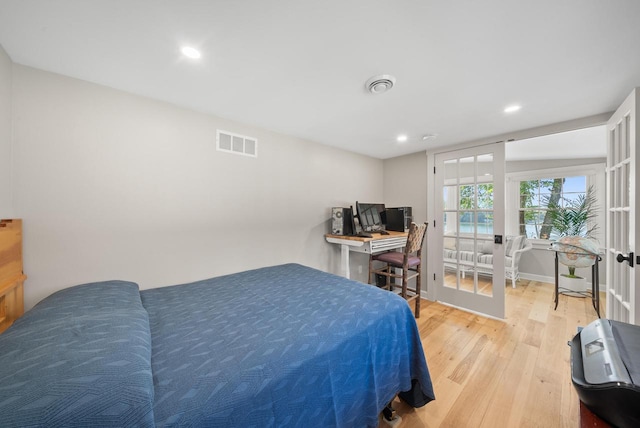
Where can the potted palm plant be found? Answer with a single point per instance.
(573, 225)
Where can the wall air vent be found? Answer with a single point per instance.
(235, 143)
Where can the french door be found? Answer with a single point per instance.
(622, 228)
(469, 209)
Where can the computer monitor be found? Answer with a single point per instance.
(369, 215)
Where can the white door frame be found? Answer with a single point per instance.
(494, 305)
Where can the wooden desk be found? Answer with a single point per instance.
(378, 244)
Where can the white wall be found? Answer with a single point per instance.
(112, 185)
(405, 180)
(405, 184)
(6, 206)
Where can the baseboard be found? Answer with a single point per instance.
(538, 278)
(552, 280)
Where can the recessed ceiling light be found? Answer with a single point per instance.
(429, 136)
(401, 138)
(512, 108)
(190, 52)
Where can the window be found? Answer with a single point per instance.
(529, 193)
(534, 218)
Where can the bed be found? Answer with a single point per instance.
(279, 346)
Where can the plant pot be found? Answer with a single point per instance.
(572, 285)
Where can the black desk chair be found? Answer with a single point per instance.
(409, 261)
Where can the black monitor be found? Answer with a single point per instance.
(370, 216)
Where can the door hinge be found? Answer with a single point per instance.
(434, 276)
(434, 169)
(434, 223)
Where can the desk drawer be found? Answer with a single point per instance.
(387, 244)
(380, 245)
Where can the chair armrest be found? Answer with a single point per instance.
(515, 258)
(522, 250)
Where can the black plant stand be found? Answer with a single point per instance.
(595, 284)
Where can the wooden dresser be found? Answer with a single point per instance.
(11, 275)
(588, 419)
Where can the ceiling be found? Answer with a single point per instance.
(586, 143)
(299, 66)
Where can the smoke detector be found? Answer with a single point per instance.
(380, 84)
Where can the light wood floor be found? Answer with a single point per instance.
(512, 373)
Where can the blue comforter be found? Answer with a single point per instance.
(80, 358)
(279, 346)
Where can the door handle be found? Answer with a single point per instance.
(620, 258)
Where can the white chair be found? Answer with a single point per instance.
(514, 247)
(512, 258)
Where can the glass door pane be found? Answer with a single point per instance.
(469, 223)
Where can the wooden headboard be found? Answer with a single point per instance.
(11, 276)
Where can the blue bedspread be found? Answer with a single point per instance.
(80, 358)
(281, 346)
(285, 346)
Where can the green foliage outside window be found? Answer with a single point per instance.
(533, 210)
(477, 201)
(485, 196)
(540, 199)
